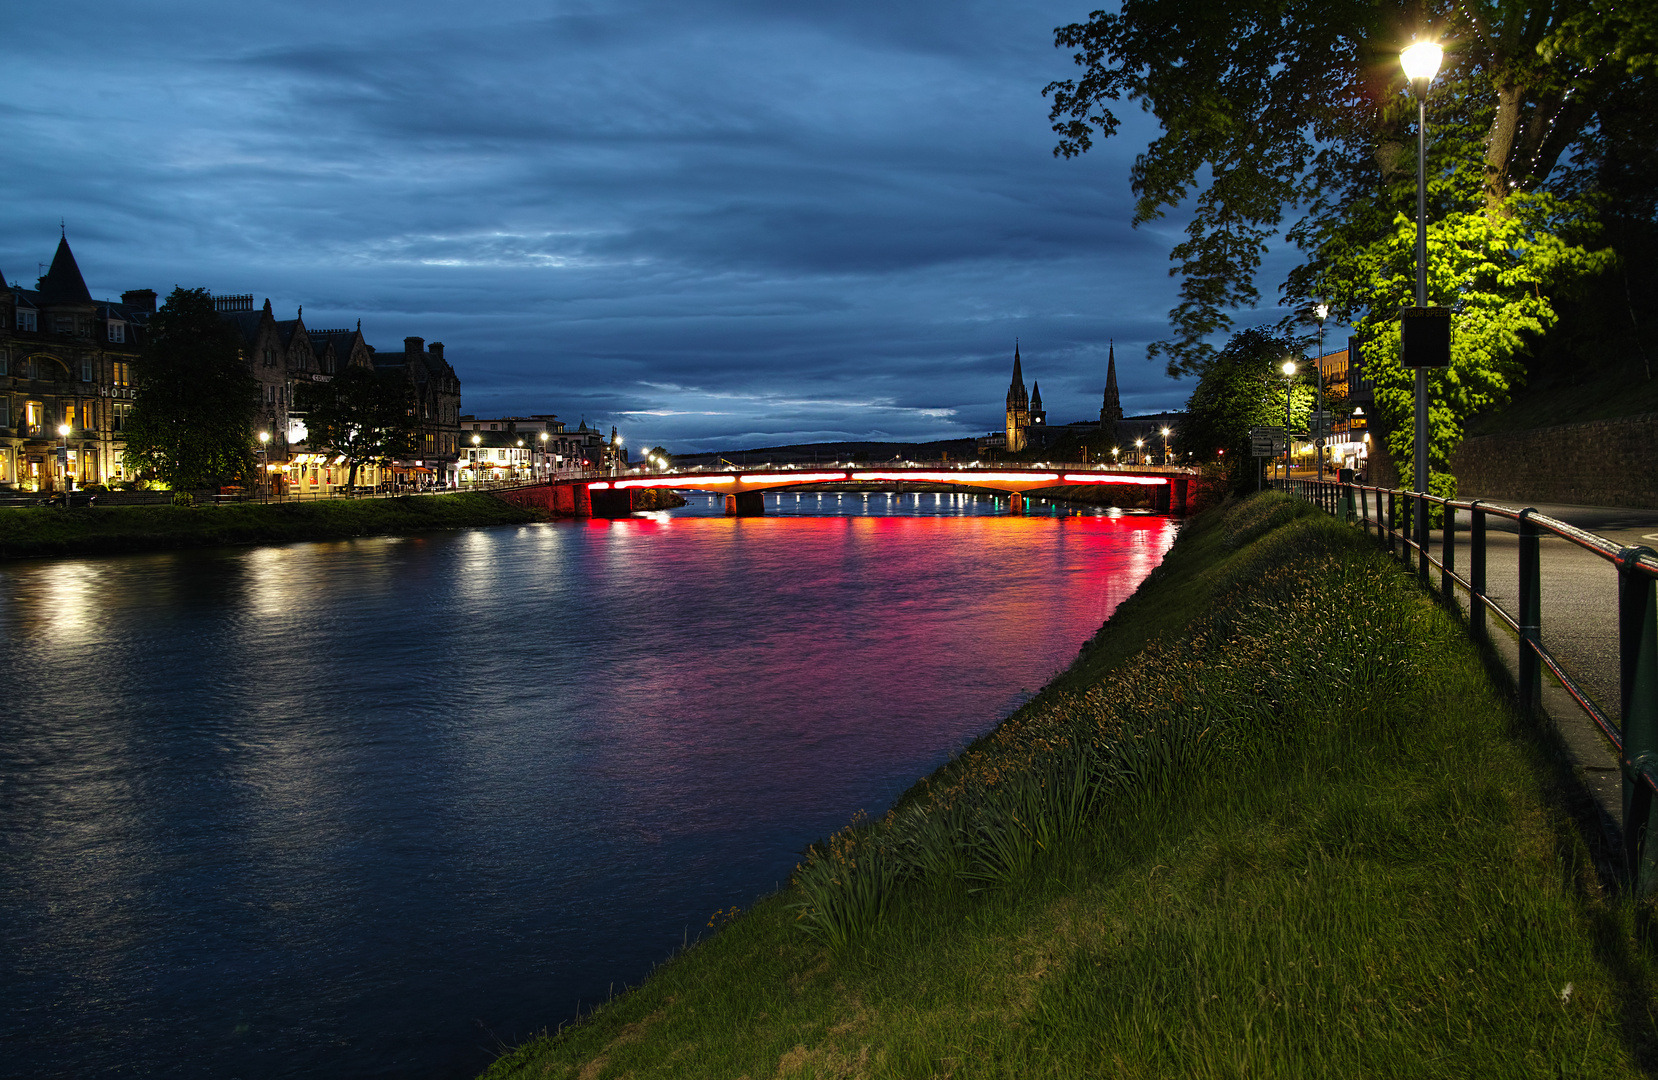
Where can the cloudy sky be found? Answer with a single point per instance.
(715, 223)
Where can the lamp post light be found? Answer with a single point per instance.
(1139, 444)
(544, 455)
(1116, 453)
(1165, 446)
(1421, 63)
(1289, 384)
(1322, 311)
(264, 462)
(63, 459)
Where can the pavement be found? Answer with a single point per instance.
(1579, 626)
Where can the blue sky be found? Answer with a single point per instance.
(713, 224)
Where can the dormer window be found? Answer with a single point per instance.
(26, 321)
(117, 331)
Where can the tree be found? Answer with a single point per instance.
(1240, 387)
(364, 415)
(1270, 109)
(194, 398)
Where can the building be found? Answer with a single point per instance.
(1346, 385)
(553, 448)
(437, 398)
(1111, 410)
(65, 378)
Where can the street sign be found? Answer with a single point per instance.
(1266, 441)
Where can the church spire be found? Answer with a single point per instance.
(1035, 397)
(1111, 409)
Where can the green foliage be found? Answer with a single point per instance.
(183, 498)
(1238, 388)
(364, 415)
(1268, 110)
(194, 398)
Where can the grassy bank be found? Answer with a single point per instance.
(37, 531)
(1275, 821)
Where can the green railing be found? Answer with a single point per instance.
(1401, 519)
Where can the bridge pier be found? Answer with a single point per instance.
(1178, 497)
(745, 504)
(572, 499)
(1016, 504)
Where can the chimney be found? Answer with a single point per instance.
(139, 298)
(414, 345)
(437, 350)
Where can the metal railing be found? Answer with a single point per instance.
(1403, 527)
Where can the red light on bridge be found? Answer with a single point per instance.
(793, 478)
(602, 485)
(966, 476)
(1095, 478)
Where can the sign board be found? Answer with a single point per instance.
(1266, 441)
(1425, 337)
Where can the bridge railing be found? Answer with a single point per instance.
(1403, 527)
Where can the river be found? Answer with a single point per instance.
(383, 807)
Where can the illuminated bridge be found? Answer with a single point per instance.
(592, 496)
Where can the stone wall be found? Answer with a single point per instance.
(1600, 463)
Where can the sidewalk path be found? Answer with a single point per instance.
(1580, 613)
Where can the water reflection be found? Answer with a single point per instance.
(366, 807)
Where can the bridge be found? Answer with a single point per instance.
(744, 491)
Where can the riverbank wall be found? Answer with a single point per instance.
(1277, 794)
(33, 532)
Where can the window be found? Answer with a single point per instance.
(5, 412)
(2, 363)
(26, 321)
(117, 331)
(120, 373)
(64, 325)
(31, 368)
(69, 415)
(120, 413)
(86, 371)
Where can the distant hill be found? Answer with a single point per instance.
(956, 449)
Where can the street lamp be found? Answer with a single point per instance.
(543, 455)
(63, 459)
(1322, 312)
(1289, 382)
(1165, 446)
(264, 461)
(1138, 444)
(1421, 63)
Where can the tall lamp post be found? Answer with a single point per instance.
(1165, 446)
(63, 460)
(1289, 384)
(1421, 64)
(1322, 311)
(264, 463)
(1139, 445)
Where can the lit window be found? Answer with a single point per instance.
(117, 331)
(120, 372)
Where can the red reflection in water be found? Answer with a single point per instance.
(823, 664)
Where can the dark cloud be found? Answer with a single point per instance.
(710, 224)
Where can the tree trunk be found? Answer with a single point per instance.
(1505, 125)
(351, 477)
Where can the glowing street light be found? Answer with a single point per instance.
(63, 456)
(264, 460)
(1289, 377)
(1165, 446)
(1421, 63)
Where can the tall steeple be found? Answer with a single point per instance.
(1111, 410)
(63, 283)
(1018, 406)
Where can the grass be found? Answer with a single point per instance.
(44, 531)
(1275, 821)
